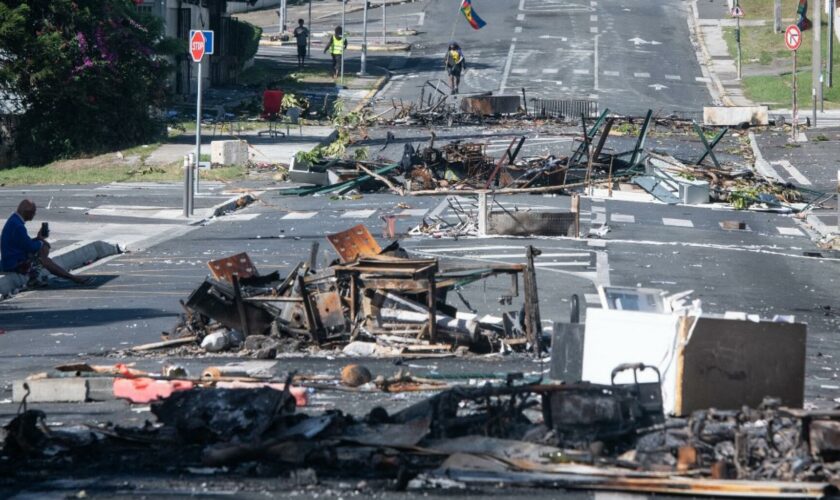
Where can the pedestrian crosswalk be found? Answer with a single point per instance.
(557, 258)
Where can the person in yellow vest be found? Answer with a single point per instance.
(455, 65)
(336, 47)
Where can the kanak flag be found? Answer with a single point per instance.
(472, 17)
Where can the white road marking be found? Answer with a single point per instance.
(790, 231)
(593, 4)
(622, 218)
(422, 18)
(562, 264)
(520, 17)
(702, 79)
(357, 214)
(593, 18)
(611, 73)
(592, 298)
(641, 75)
(469, 249)
(593, 29)
(517, 29)
(596, 208)
(521, 4)
(677, 222)
(299, 215)
(793, 171)
(508, 62)
(414, 212)
(581, 71)
(673, 77)
(550, 71)
(519, 71)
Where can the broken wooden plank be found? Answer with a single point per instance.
(166, 343)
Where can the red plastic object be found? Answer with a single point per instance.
(146, 390)
(272, 102)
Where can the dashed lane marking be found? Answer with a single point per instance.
(673, 77)
(299, 215)
(702, 79)
(414, 212)
(550, 71)
(612, 73)
(520, 17)
(790, 231)
(677, 222)
(357, 214)
(581, 71)
(641, 75)
(622, 218)
(519, 71)
(793, 172)
(517, 29)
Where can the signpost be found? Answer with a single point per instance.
(793, 39)
(738, 13)
(201, 44)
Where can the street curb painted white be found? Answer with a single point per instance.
(715, 87)
(70, 257)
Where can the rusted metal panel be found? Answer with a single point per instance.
(491, 105)
(330, 313)
(239, 264)
(531, 223)
(354, 243)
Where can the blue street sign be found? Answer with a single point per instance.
(208, 42)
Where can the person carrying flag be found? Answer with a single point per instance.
(336, 47)
(455, 64)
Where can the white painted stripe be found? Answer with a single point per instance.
(468, 249)
(593, 18)
(593, 4)
(519, 71)
(793, 171)
(299, 215)
(596, 208)
(641, 75)
(357, 214)
(702, 79)
(622, 218)
(673, 77)
(561, 264)
(237, 217)
(414, 212)
(522, 256)
(677, 222)
(550, 71)
(581, 71)
(611, 73)
(592, 298)
(593, 29)
(520, 17)
(517, 29)
(790, 231)
(508, 61)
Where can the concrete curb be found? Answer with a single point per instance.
(391, 47)
(706, 58)
(377, 86)
(72, 257)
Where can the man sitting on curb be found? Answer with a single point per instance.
(21, 254)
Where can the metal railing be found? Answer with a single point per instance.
(559, 108)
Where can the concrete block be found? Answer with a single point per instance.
(229, 153)
(100, 388)
(51, 390)
(735, 115)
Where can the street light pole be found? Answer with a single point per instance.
(816, 60)
(830, 63)
(364, 39)
(738, 37)
(343, 35)
(309, 25)
(384, 28)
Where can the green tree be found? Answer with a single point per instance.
(91, 75)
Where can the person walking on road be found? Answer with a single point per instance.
(336, 48)
(455, 65)
(301, 34)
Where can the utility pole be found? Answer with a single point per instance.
(282, 14)
(384, 28)
(777, 17)
(364, 39)
(832, 5)
(738, 35)
(309, 38)
(816, 60)
(343, 35)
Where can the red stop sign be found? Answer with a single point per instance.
(197, 47)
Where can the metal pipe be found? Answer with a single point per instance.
(738, 38)
(364, 39)
(384, 27)
(832, 5)
(816, 59)
(309, 38)
(343, 35)
(197, 135)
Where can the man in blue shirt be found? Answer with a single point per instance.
(21, 254)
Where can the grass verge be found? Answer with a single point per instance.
(775, 91)
(96, 171)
